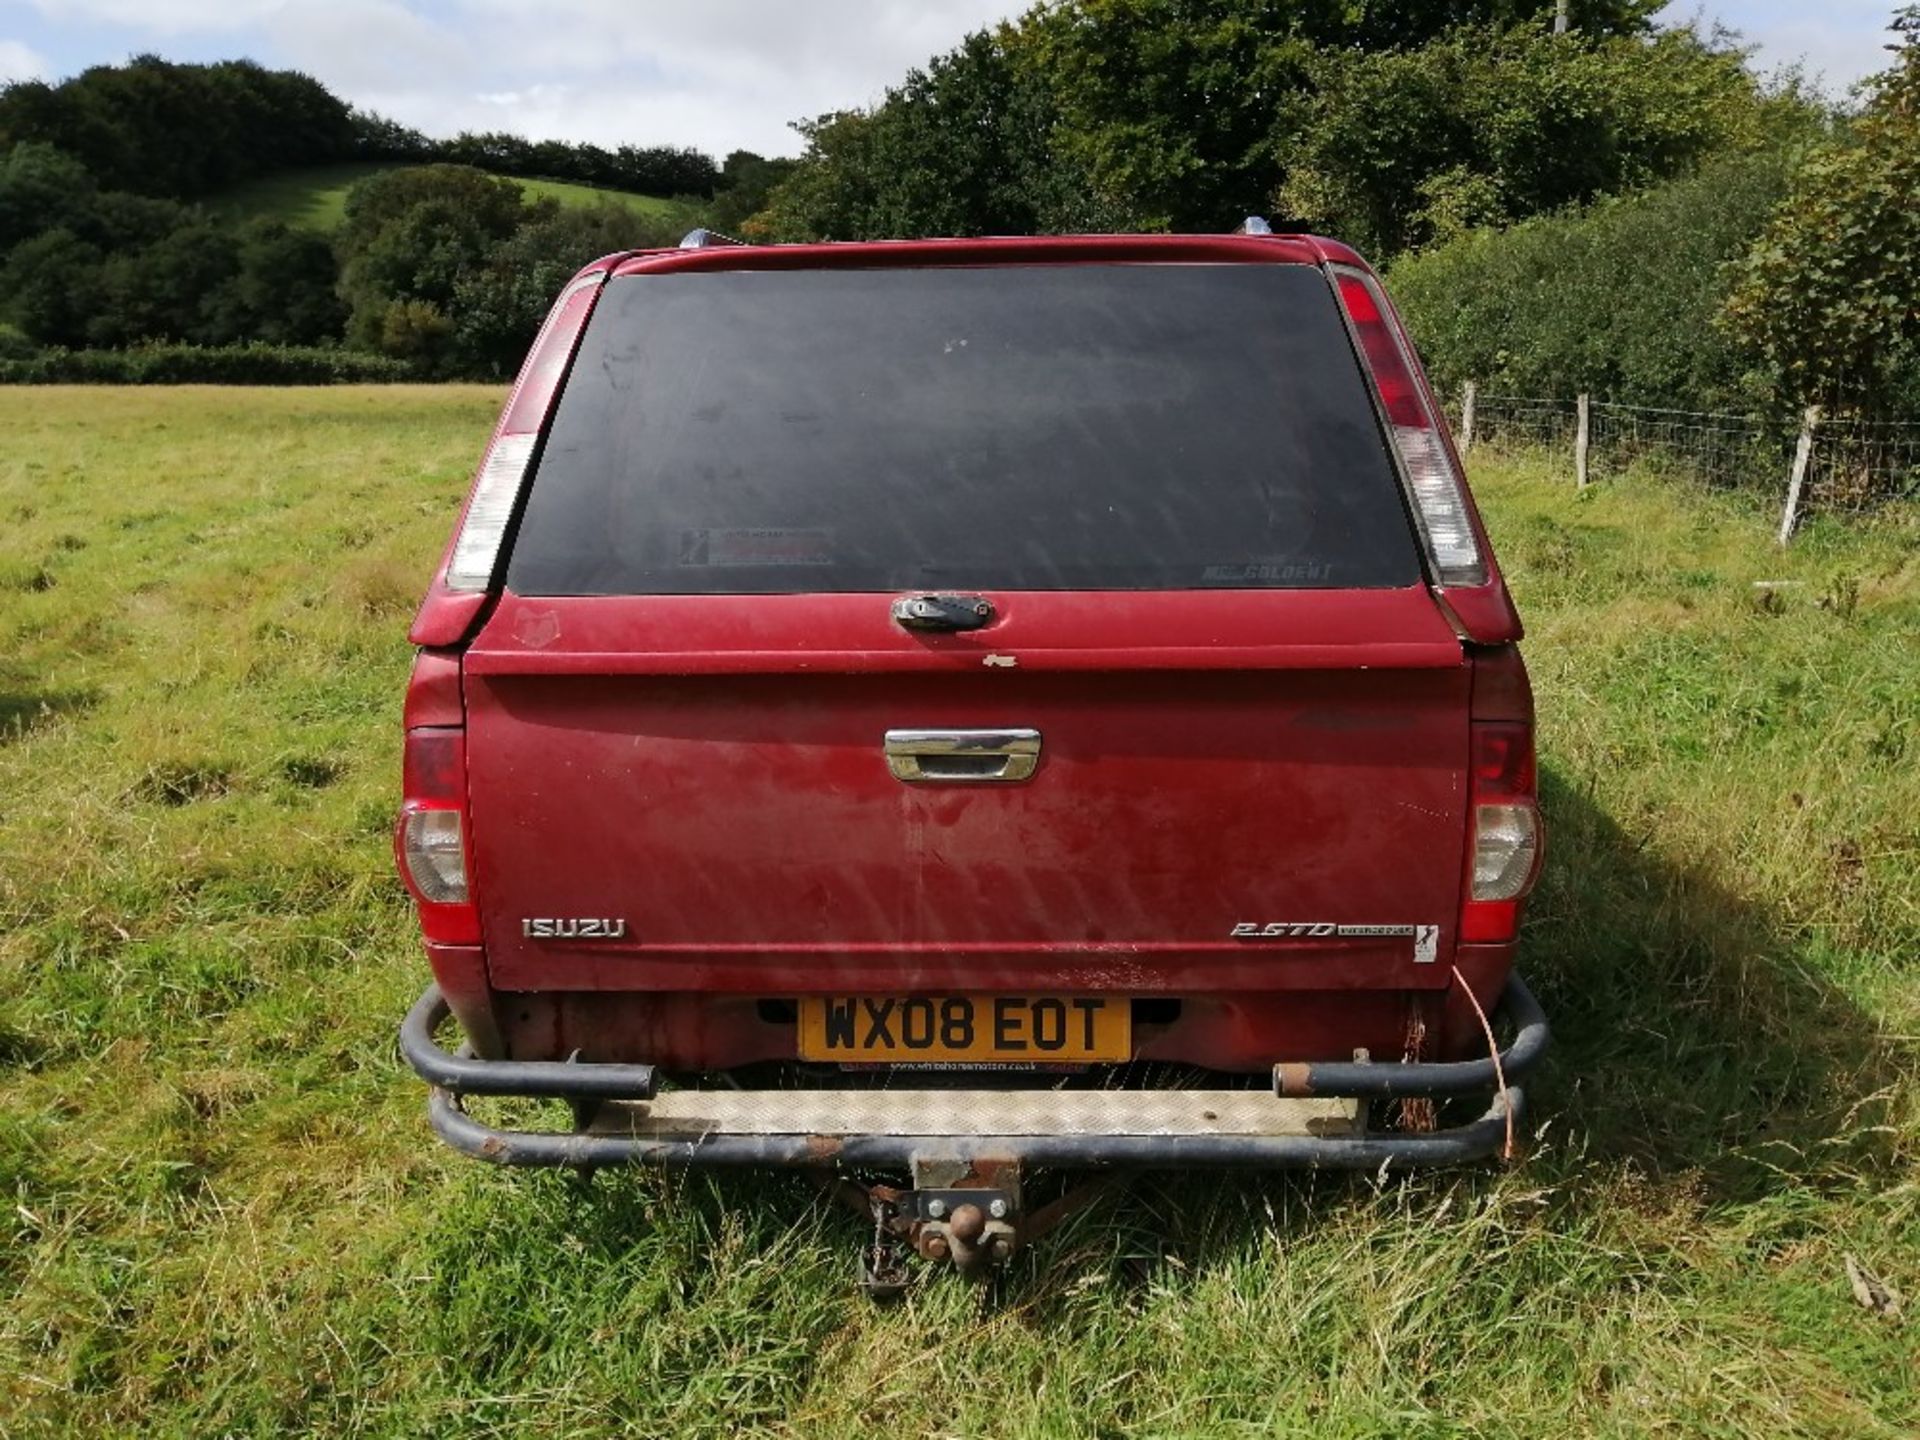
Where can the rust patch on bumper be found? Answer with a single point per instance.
(1293, 1078)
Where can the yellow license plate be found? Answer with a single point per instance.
(957, 1029)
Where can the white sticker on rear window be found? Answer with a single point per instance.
(764, 546)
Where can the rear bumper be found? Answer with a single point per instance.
(1314, 1119)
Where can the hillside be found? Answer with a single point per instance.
(315, 197)
(204, 206)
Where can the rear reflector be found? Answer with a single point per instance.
(1432, 478)
(496, 491)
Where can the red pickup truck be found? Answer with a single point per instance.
(950, 706)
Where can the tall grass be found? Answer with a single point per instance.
(225, 1214)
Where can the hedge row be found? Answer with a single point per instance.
(205, 365)
(1621, 299)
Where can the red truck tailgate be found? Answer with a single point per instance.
(711, 772)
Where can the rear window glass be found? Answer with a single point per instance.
(1084, 427)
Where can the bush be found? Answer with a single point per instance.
(205, 365)
(1618, 300)
(1829, 297)
(1490, 124)
(411, 236)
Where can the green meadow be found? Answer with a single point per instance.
(315, 198)
(224, 1213)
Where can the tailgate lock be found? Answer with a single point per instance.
(942, 612)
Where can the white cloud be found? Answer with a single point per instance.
(21, 62)
(163, 17)
(1837, 43)
(719, 74)
(365, 47)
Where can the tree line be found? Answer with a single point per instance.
(154, 127)
(1627, 208)
(444, 267)
(1391, 123)
(1766, 281)
(444, 264)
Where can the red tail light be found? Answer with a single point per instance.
(431, 841)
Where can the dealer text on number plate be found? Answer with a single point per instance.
(956, 1029)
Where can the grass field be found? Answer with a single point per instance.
(225, 1215)
(315, 198)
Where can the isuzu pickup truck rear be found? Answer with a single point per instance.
(947, 705)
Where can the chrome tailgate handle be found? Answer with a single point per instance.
(962, 756)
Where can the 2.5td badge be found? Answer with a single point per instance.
(1426, 938)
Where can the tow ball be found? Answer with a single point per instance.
(974, 1229)
(967, 1212)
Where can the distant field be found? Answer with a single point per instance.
(225, 1215)
(316, 198)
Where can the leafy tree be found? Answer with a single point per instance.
(283, 290)
(155, 127)
(409, 238)
(49, 285)
(1828, 299)
(964, 147)
(382, 198)
(1487, 125)
(158, 128)
(1170, 106)
(415, 330)
(165, 290)
(1395, 118)
(498, 307)
(41, 188)
(746, 182)
(115, 220)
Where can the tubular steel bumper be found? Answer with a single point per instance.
(1317, 1112)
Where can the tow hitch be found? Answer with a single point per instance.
(969, 1212)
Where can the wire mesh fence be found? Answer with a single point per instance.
(1850, 466)
(1859, 465)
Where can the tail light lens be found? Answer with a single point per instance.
(1432, 476)
(430, 840)
(1505, 856)
(496, 490)
(433, 847)
(1506, 844)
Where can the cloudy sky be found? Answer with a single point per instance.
(717, 74)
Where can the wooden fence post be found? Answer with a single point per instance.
(1466, 417)
(1582, 435)
(1802, 457)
